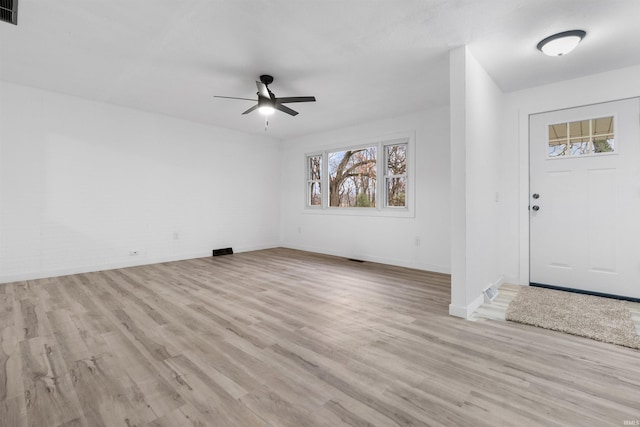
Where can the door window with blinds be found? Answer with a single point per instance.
(581, 138)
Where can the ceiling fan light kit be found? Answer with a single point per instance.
(266, 106)
(561, 43)
(267, 101)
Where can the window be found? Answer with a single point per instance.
(584, 137)
(346, 179)
(396, 175)
(314, 183)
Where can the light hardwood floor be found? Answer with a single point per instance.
(288, 338)
(496, 309)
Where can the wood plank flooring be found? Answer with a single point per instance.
(497, 309)
(288, 338)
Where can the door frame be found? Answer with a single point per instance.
(524, 131)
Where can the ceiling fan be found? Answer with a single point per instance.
(267, 101)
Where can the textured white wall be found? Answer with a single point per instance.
(390, 240)
(458, 206)
(83, 183)
(485, 103)
(476, 117)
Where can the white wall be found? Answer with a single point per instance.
(513, 237)
(390, 240)
(83, 183)
(476, 120)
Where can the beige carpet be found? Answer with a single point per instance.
(601, 319)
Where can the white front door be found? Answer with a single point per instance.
(585, 198)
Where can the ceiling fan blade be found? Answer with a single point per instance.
(234, 97)
(296, 99)
(262, 90)
(251, 109)
(285, 109)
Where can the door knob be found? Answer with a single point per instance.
(536, 208)
(536, 196)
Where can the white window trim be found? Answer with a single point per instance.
(381, 210)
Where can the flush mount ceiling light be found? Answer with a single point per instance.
(561, 43)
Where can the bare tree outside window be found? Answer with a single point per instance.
(396, 175)
(352, 178)
(348, 178)
(314, 180)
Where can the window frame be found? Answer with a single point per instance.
(381, 209)
(591, 137)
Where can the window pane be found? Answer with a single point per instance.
(315, 167)
(579, 147)
(579, 129)
(603, 126)
(558, 131)
(603, 145)
(557, 149)
(397, 159)
(315, 194)
(396, 191)
(352, 178)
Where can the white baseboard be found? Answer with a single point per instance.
(380, 260)
(466, 312)
(119, 264)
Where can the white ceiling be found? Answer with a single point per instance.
(362, 59)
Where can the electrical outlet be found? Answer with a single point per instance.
(134, 253)
(417, 241)
(176, 236)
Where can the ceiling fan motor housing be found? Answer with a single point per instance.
(266, 79)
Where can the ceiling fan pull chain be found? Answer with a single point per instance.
(266, 123)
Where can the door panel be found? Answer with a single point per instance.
(602, 204)
(585, 224)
